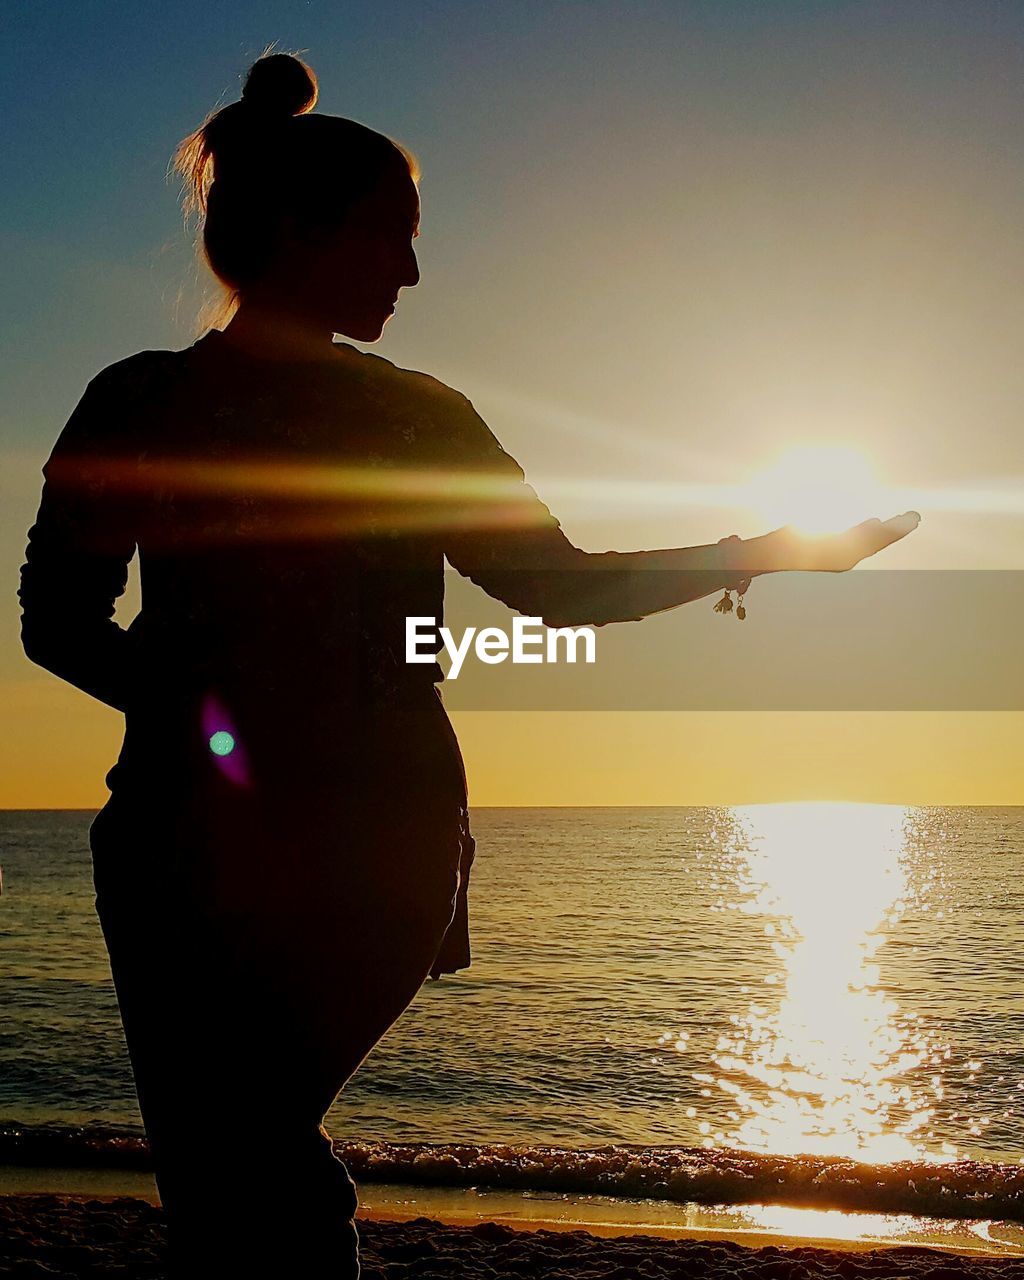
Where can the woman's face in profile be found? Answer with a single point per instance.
(349, 278)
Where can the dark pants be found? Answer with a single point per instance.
(254, 971)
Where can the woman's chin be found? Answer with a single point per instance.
(369, 330)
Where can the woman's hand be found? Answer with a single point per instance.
(788, 549)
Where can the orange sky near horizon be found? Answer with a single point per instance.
(67, 741)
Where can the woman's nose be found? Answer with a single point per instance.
(411, 275)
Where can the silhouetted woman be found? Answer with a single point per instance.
(283, 857)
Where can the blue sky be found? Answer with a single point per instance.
(513, 108)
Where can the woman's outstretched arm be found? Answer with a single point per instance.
(76, 561)
(507, 541)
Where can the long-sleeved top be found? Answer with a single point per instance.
(289, 517)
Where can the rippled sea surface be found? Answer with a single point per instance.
(828, 979)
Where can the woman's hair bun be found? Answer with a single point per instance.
(280, 84)
(258, 161)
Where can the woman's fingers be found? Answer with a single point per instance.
(878, 534)
(900, 526)
(875, 535)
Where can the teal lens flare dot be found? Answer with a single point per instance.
(222, 743)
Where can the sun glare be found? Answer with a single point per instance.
(819, 489)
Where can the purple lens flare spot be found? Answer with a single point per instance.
(221, 741)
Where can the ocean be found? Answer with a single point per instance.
(685, 1003)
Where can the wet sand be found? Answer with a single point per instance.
(63, 1237)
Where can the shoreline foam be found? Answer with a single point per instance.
(754, 1226)
(963, 1189)
(65, 1237)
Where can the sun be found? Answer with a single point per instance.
(818, 489)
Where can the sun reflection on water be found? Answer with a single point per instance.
(823, 1062)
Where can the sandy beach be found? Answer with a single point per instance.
(68, 1238)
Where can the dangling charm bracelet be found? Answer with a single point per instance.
(741, 586)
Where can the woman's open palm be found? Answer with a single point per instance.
(789, 549)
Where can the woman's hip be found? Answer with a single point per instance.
(393, 843)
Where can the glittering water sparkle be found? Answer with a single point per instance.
(822, 1060)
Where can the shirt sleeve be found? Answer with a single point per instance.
(79, 549)
(507, 541)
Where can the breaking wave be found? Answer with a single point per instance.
(958, 1189)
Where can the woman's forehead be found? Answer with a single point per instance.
(394, 198)
(399, 189)
(411, 198)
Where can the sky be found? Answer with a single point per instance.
(664, 246)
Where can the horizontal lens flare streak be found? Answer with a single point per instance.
(281, 479)
(325, 480)
(412, 498)
(274, 500)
